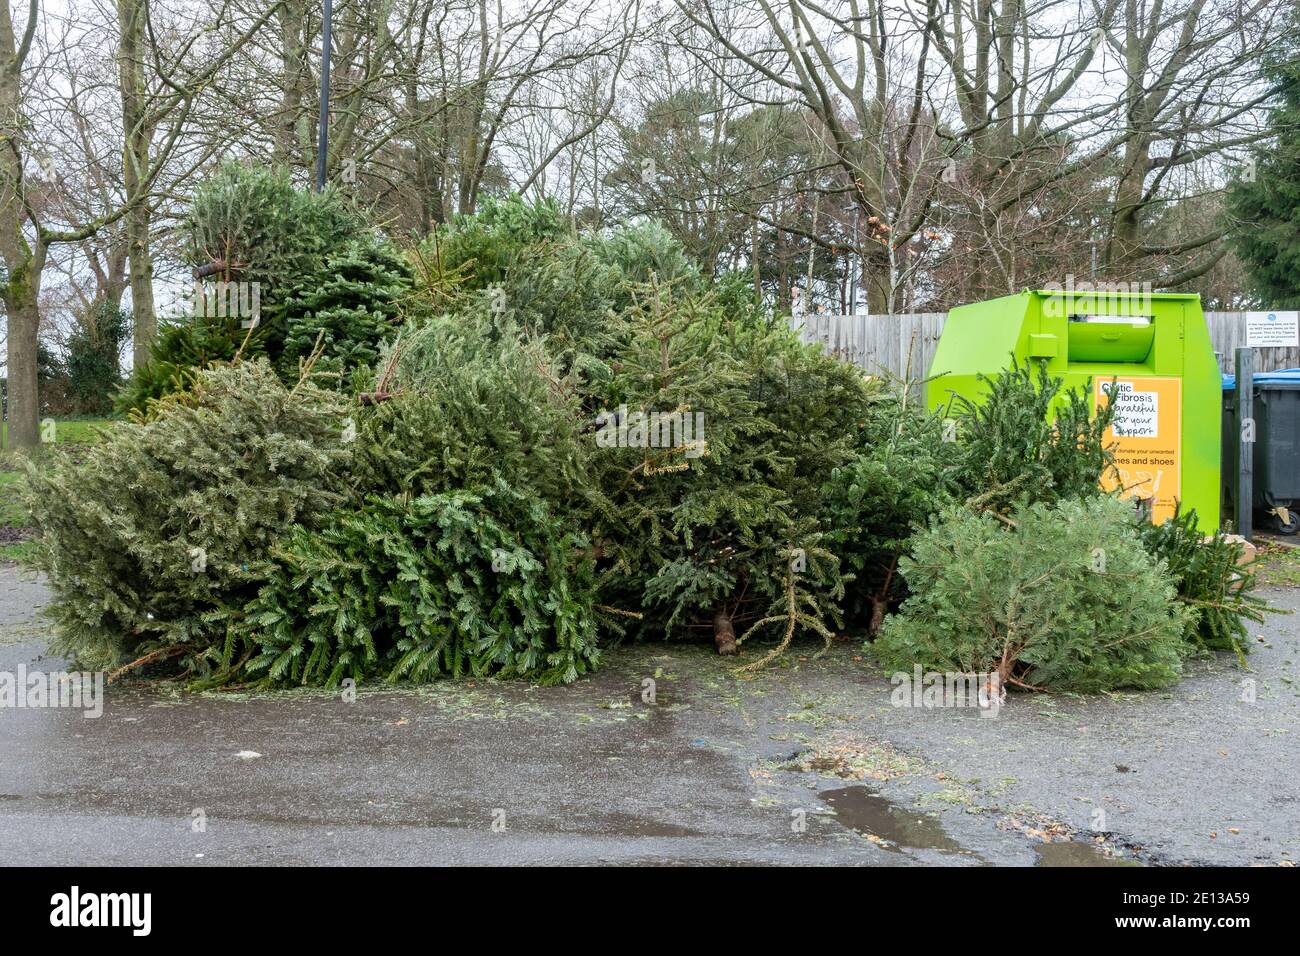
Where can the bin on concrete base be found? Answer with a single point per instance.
(1277, 444)
(1157, 349)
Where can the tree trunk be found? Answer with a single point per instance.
(472, 160)
(23, 264)
(294, 140)
(878, 607)
(724, 635)
(1120, 255)
(145, 320)
(875, 268)
(880, 602)
(138, 134)
(24, 403)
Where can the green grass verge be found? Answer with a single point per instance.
(1279, 566)
(17, 553)
(12, 512)
(79, 430)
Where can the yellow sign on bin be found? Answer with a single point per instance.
(1146, 435)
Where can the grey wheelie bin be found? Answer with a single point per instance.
(1277, 444)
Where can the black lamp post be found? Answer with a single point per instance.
(323, 138)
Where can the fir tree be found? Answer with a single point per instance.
(460, 406)
(348, 305)
(1026, 440)
(904, 471)
(705, 528)
(168, 524)
(1267, 204)
(314, 271)
(1067, 598)
(476, 582)
(251, 224)
(1213, 583)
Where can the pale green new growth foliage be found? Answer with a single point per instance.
(168, 523)
(1067, 599)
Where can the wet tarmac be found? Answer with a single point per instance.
(807, 763)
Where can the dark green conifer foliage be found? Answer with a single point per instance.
(1266, 204)
(524, 266)
(902, 474)
(1027, 444)
(319, 272)
(477, 582)
(1211, 581)
(703, 539)
(349, 304)
(464, 513)
(183, 347)
(467, 406)
(505, 236)
(251, 224)
(1027, 441)
(92, 358)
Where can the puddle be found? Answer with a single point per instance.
(888, 825)
(897, 829)
(1073, 853)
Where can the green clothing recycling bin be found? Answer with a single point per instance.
(1154, 346)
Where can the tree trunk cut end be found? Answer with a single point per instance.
(724, 635)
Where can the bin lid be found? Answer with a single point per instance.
(1282, 378)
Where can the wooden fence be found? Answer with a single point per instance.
(903, 345)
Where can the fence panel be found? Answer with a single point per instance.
(904, 345)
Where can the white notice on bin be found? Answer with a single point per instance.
(1136, 413)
